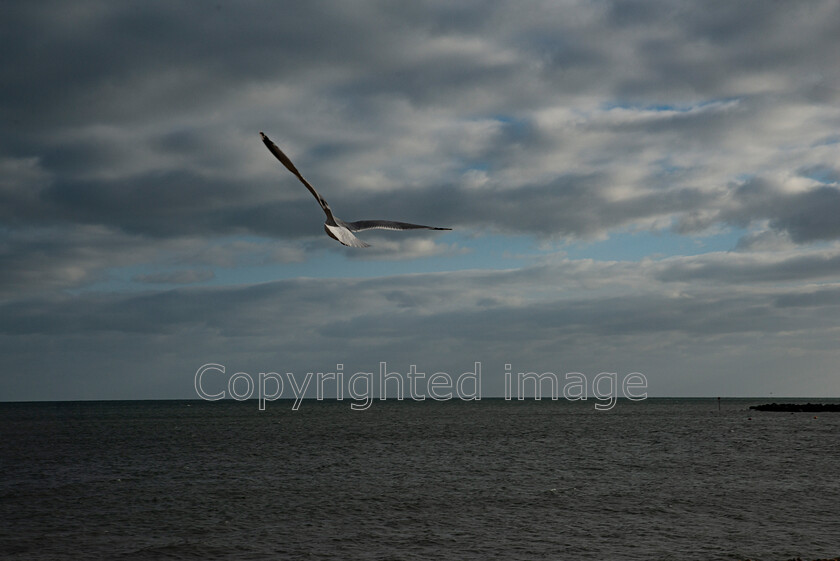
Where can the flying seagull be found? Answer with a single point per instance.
(335, 227)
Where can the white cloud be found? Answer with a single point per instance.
(408, 248)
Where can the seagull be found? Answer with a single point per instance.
(335, 227)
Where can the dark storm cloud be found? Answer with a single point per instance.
(140, 114)
(161, 70)
(125, 63)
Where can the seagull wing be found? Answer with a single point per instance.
(360, 225)
(284, 159)
(344, 236)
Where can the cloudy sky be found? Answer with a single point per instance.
(634, 187)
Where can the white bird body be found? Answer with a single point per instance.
(336, 228)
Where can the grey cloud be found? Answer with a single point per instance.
(810, 216)
(128, 137)
(53, 259)
(568, 206)
(167, 74)
(402, 308)
(308, 324)
(811, 298)
(805, 215)
(564, 322)
(159, 205)
(174, 205)
(184, 276)
(764, 240)
(724, 44)
(740, 268)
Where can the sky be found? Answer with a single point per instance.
(634, 186)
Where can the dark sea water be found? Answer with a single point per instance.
(655, 480)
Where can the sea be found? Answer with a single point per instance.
(658, 479)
